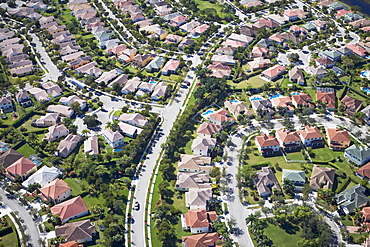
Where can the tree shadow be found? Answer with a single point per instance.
(289, 228)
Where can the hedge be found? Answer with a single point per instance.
(6, 231)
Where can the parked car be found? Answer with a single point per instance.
(137, 206)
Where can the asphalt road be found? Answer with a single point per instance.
(31, 227)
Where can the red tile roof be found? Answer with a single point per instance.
(20, 167)
(356, 49)
(274, 71)
(55, 188)
(266, 141)
(201, 240)
(310, 133)
(364, 170)
(199, 218)
(287, 136)
(338, 135)
(328, 98)
(69, 208)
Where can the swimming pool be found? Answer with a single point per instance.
(367, 90)
(234, 101)
(153, 82)
(4, 149)
(207, 113)
(117, 150)
(275, 96)
(295, 94)
(365, 73)
(256, 98)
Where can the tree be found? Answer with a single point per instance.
(293, 57)
(288, 187)
(91, 120)
(76, 107)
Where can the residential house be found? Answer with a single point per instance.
(322, 178)
(43, 176)
(73, 57)
(135, 119)
(364, 171)
(198, 198)
(352, 198)
(291, 37)
(173, 39)
(208, 129)
(268, 23)
(288, 140)
(267, 145)
(198, 30)
(333, 55)
(178, 20)
(55, 132)
(160, 91)
(351, 105)
(21, 168)
(220, 116)
(48, 120)
(189, 26)
(91, 145)
(326, 96)
(237, 108)
(325, 62)
(185, 42)
(9, 157)
(283, 104)
(67, 145)
(141, 60)
(261, 105)
(366, 111)
(225, 59)
(290, 15)
(129, 130)
(360, 23)
(320, 72)
(79, 62)
(357, 154)
(117, 50)
(259, 52)
(79, 231)
(281, 20)
(296, 76)
(320, 25)
(108, 44)
(203, 145)
(297, 177)
(114, 139)
(298, 30)
(72, 209)
(6, 104)
(277, 38)
(187, 181)
(311, 137)
(337, 6)
(62, 109)
(55, 191)
(170, 67)
(23, 98)
(194, 163)
(225, 51)
(266, 182)
(198, 220)
(155, 31)
(356, 49)
(90, 69)
(107, 76)
(302, 100)
(120, 80)
(131, 85)
(338, 139)
(274, 72)
(155, 65)
(219, 70)
(52, 89)
(68, 101)
(145, 88)
(201, 240)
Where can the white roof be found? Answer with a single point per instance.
(42, 176)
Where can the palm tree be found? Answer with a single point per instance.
(112, 125)
(85, 132)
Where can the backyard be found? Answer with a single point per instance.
(26, 150)
(8, 238)
(254, 82)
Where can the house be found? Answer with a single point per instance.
(107, 44)
(337, 6)
(237, 108)
(268, 23)
(141, 60)
(67, 145)
(43, 176)
(220, 116)
(311, 137)
(274, 72)
(61, 109)
(259, 63)
(356, 49)
(345, 51)
(267, 145)
(201, 240)
(281, 20)
(266, 182)
(52, 89)
(68, 101)
(290, 15)
(259, 51)
(225, 51)
(198, 220)
(189, 26)
(79, 231)
(320, 72)
(171, 67)
(298, 30)
(338, 139)
(6, 103)
(360, 23)
(114, 139)
(364, 171)
(296, 76)
(327, 97)
(160, 91)
(352, 198)
(320, 25)
(277, 38)
(187, 181)
(131, 85)
(357, 154)
(91, 145)
(9, 157)
(117, 50)
(135, 119)
(198, 198)
(302, 100)
(366, 111)
(55, 191)
(107, 76)
(208, 129)
(322, 178)
(203, 145)
(173, 39)
(145, 88)
(155, 65)
(283, 104)
(225, 59)
(194, 163)
(129, 130)
(333, 55)
(219, 70)
(18, 72)
(79, 62)
(72, 209)
(325, 62)
(90, 69)
(288, 140)
(198, 30)
(120, 80)
(23, 98)
(351, 105)
(186, 42)
(261, 105)
(233, 43)
(55, 132)
(20, 168)
(48, 120)
(297, 177)
(178, 20)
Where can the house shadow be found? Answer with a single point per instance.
(289, 228)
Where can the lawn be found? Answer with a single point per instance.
(26, 150)
(283, 237)
(28, 123)
(179, 203)
(172, 77)
(75, 185)
(323, 154)
(254, 81)
(155, 198)
(205, 4)
(294, 156)
(10, 239)
(93, 201)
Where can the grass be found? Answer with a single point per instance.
(254, 81)
(295, 156)
(26, 150)
(10, 239)
(28, 123)
(281, 237)
(205, 4)
(155, 198)
(172, 77)
(357, 238)
(75, 185)
(179, 203)
(323, 154)
(93, 201)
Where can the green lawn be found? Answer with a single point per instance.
(10, 239)
(172, 77)
(283, 237)
(323, 154)
(28, 123)
(179, 203)
(26, 150)
(93, 201)
(357, 238)
(155, 198)
(205, 4)
(75, 185)
(254, 81)
(295, 156)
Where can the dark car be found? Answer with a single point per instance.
(137, 206)
(188, 83)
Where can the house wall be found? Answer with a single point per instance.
(199, 230)
(76, 216)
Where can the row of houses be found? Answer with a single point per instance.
(12, 50)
